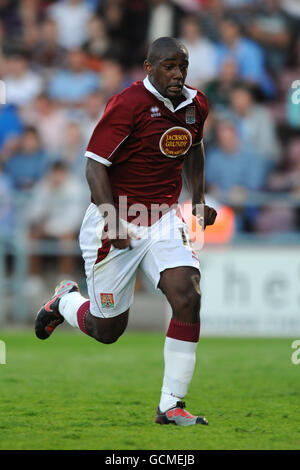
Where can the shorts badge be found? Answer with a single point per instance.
(190, 115)
(107, 300)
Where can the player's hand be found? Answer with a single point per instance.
(206, 215)
(121, 244)
(121, 238)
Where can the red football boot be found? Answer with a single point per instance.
(48, 317)
(179, 416)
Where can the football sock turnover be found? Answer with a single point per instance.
(73, 307)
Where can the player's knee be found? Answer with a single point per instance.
(187, 303)
(109, 335)
(107, 330)
(107, 338)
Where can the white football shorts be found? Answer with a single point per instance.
(111, 272)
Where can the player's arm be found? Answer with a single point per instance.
(194, 173)
(98, 180)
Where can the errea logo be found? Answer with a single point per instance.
(155, 112)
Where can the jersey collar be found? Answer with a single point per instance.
(187, 92)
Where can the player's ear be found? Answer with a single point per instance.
(148, 67)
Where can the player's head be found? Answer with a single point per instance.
(166, 65)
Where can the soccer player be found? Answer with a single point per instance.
(135, 156)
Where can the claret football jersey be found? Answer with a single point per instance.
(143, 141)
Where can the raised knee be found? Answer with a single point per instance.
(107, 330)
(106, 337)
(109, 335)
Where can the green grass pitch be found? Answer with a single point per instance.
(70, 392)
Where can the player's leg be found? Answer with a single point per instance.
(183, 333)
(110, 281)
(181, 287)
(77, 311)
(68, 304)
(106, 330)
(173, 267)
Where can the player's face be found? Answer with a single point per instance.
(169, 72)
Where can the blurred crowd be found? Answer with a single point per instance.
(61, 61)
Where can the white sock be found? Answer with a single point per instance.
(180, 359)
(68, 307)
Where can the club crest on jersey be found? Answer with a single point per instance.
(107, 300)
(155, 112)
(175, 142)
(190, 115)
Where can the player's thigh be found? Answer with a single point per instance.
(173, 266)
(110, 290)
(110, 272)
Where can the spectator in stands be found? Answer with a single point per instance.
(218, 90)
(279, 218)
(241, 10)
(248, 55)
(98, 44)
(255, 125)
(56, 211)
(135, 23)
(231, 169)
(164, 19)
(288, 177)
(240, 4)
(269, 28)
(202, 53)
(22, 83)
(46, 52)
(30, 162)
(6, 44)
(71, 85)
(73, 149)
(71, 17)
(211, 16)
(113, 79)
(6, 205)
(11, 124)
(50, 121)
(10, 15)
(233, 172)
(93, 107)
(112, 12)
(282, 217)
(2, 35)
(292, 10)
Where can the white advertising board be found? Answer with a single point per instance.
(250, 291)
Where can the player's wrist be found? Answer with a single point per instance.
(198, 206)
